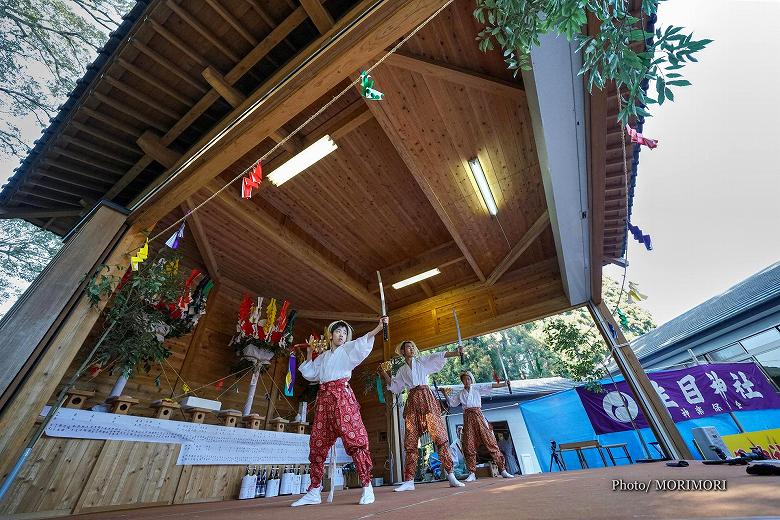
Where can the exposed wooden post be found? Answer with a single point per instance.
(150, 143)
(321, 17)
(648, 400)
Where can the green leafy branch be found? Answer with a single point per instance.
(621, 51)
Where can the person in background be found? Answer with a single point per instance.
(456, 452)
(508, 450)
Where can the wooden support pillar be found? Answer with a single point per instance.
(47, 327)
(648, 400)
(276, 372)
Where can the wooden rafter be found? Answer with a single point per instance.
(221, 85)
(445, 71)
(56, 185)
(59, 150)
(169, 65)
(277, 234)
(530, 236)
(151, 145)
(336, 315)
(233, 21)
(255, 4)
(147, 100)
(91, 130)
(99, 186)
(73, 169)
(441, 256)
(66, 140)
(110, 121)
(38, 213)
(153, 81)
(201, 240)
(318, 14)
(419, 176)
(202, 30)
(177, 42)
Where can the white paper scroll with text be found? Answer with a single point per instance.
(200, 443)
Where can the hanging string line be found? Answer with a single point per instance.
(235, 384)
(292, 134)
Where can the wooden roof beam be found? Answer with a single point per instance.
(140, 96)
(169, 65)
(73, 169)
(337, 315)
(110, 121)
(201, 240)
(38, 192)
(459, 75)
(418, 174)
(38, 213)
(150, 143)
(202, 30)
(177, 42)
(144, 75)
(225, 89)
(280, 236)
(319, 15)
(268, 20)
(233, 21)
(66, 140)
(99, 186)
(56, 184)
(530, 236)
(86, 160)
(87, 129)
(441, 256)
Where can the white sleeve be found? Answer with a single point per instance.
(358, 349)
(432, 363)
(484, 388)
(396, 383)
(311, 369)
(453, 399)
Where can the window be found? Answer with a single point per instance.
(761, 340)
(726, 353)
(770, 361)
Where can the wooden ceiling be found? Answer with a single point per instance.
(398, 195)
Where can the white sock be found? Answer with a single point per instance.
(471, 478)
(368, 495)
(453, 481)
(506, 474)
(405, 486)
(312, 497)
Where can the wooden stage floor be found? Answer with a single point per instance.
(571, 495)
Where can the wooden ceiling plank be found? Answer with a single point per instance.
(150, 143)
(447, 72)
(221, 85)
(147, 100)
(38, 213)
(64, 184)
(169, 65)
(86, 160)
(275, 233)
(233, 21)
(40, 194)
(422, 181)
(319, 15)
(102, 136)
(530, 236)
(177, 42)
(73, 169)
(153, 81)
(130, 111)
(201, 240)
(200, 28)
(70, 179)
(267, 19)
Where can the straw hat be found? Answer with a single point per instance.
(334, 325)
(414, 348)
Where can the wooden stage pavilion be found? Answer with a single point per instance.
(186, 95)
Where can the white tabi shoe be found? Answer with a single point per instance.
(506, 474)
(368, 496)
(471, 478)
(406, 486)
(455, 482)
(309, 499)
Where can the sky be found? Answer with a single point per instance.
(708, 194)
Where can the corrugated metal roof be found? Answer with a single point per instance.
(523, 387)
(756, 290)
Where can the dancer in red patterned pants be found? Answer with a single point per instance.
(421, 412)
(337, 411)
(476, 429)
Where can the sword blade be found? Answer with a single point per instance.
(381, 293)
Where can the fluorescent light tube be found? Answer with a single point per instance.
(484, 187)
(308, 156)
(416, 278)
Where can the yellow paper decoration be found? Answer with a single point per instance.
(140, 256)
(185, 388)
(271, 312)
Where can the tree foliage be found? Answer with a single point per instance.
(24, 252)
(516, 26)
(44, 48)
(566, 345)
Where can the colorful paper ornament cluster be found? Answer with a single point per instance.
(367, 89)
(140, 256)
(251, 181)
(633, 293)
(638, 138)
(640, 236)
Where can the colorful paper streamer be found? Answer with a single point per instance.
(379, 392)
(185, 388)
(640, 236)
(367, 89)
(140, 256)
(634, 294)
(289, 381)
(173, 242)
(252, 181)
(622, 317)
(638, 138)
